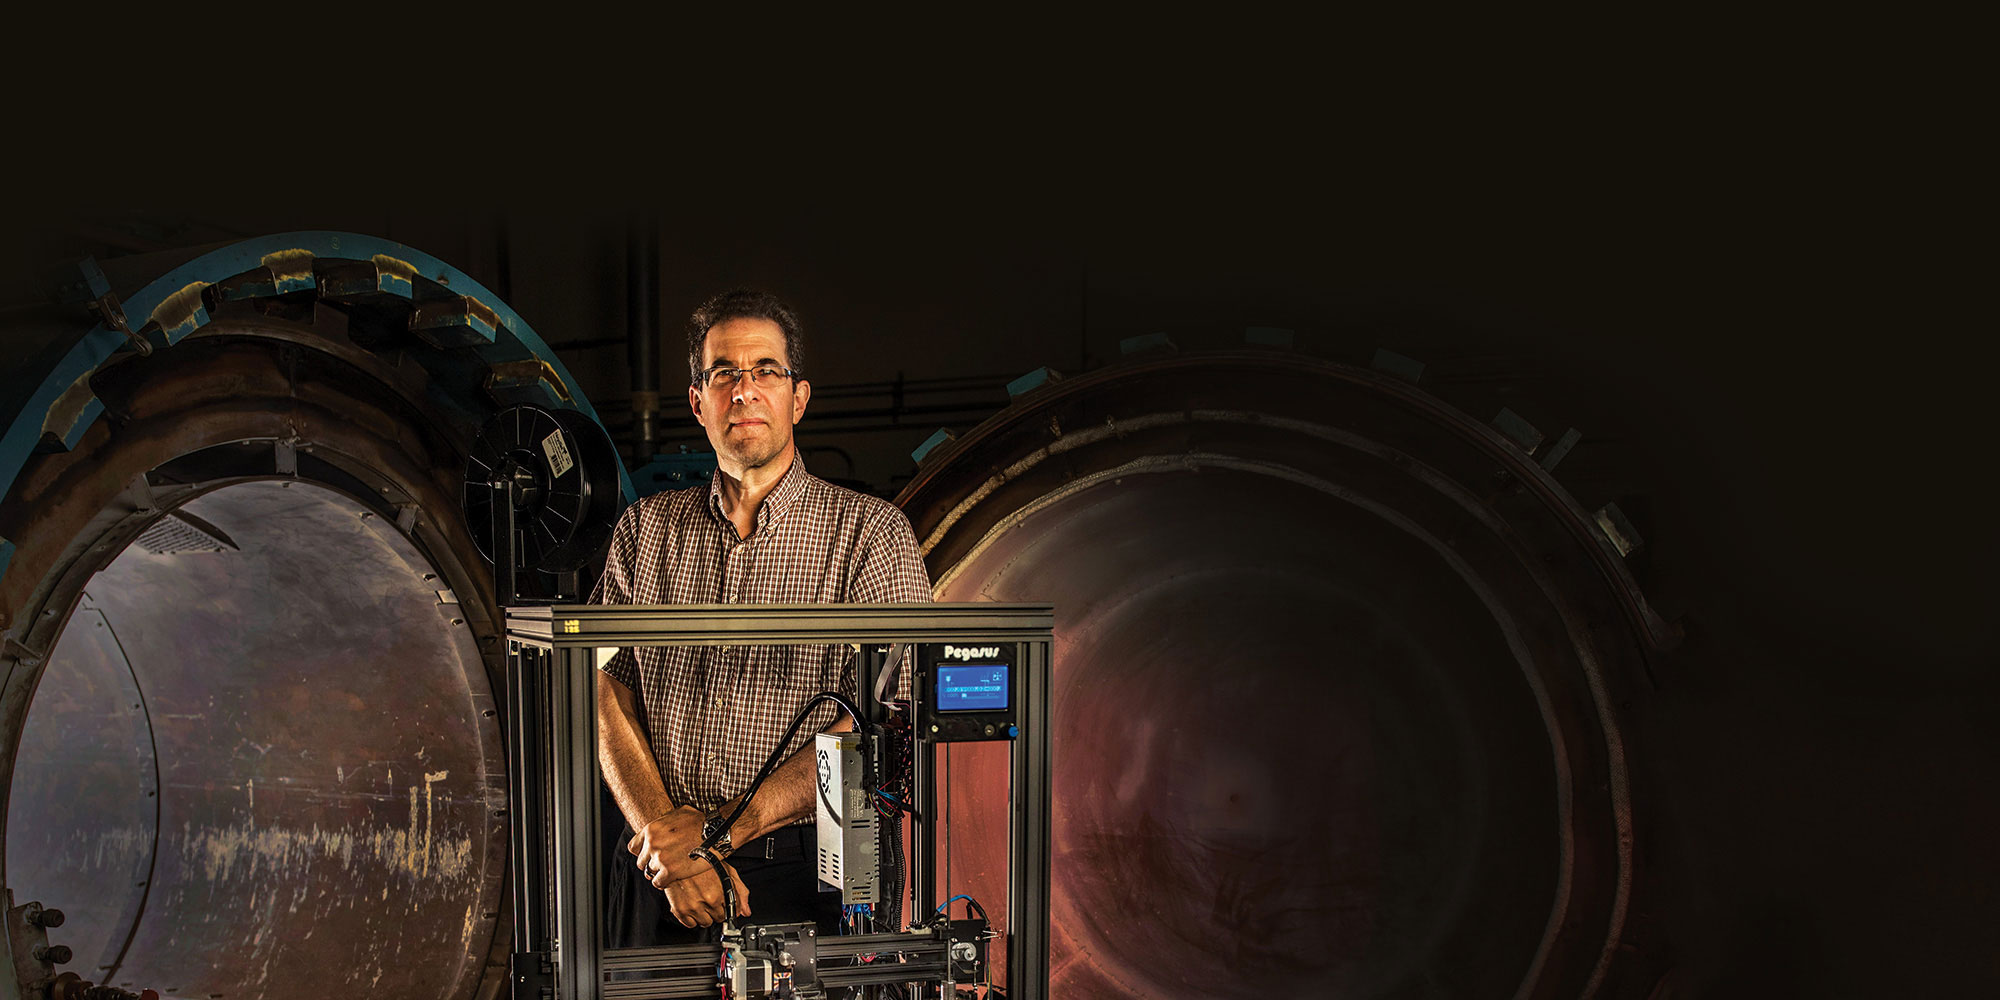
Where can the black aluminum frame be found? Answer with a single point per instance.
(553, 772)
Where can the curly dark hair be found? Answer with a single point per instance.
(744, 303)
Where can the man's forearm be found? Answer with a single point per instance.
(786, 796)
(625, 757)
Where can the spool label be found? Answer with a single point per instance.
(558, 453)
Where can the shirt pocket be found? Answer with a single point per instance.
(796, 671)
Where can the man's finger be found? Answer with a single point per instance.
(666, 874)
(632, 846)
(704, 899)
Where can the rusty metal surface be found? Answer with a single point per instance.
(1332, 694)
(326, 790)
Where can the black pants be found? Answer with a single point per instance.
(784, 889)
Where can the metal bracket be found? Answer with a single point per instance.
(21, 654)
(938, 437)
(532, 975)
(106, 305)
(1561, 448)
(1388, 362)
(139, 494)
(32, 965)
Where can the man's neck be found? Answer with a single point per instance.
(745, 487)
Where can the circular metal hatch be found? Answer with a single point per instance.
(252, 532)
(1332, 702)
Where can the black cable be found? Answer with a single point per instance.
(893, 774)
(728, 891)
(771, 764)
(892, 848)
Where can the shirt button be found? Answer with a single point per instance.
(712, 758)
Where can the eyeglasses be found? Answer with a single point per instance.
(762, 376)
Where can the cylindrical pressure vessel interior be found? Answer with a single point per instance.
(263, 761)
(1328, 702)
(1314, 746)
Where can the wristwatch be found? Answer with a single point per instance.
(719, 843)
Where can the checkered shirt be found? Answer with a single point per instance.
(713, 713)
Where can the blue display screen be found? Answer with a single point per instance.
(979, 687)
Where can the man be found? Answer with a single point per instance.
(682, 731)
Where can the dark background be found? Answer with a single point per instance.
(1766, 380)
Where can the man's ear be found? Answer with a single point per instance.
(694, 402)
(800, 393)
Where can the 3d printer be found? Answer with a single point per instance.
(980, 673)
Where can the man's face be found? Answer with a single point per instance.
(749, 425)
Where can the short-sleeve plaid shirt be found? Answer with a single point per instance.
(713, 713)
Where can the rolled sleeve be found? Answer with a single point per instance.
(889, 569)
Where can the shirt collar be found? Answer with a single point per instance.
(777, 503)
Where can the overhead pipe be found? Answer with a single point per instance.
(642, 311)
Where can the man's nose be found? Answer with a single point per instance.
(745, 391)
